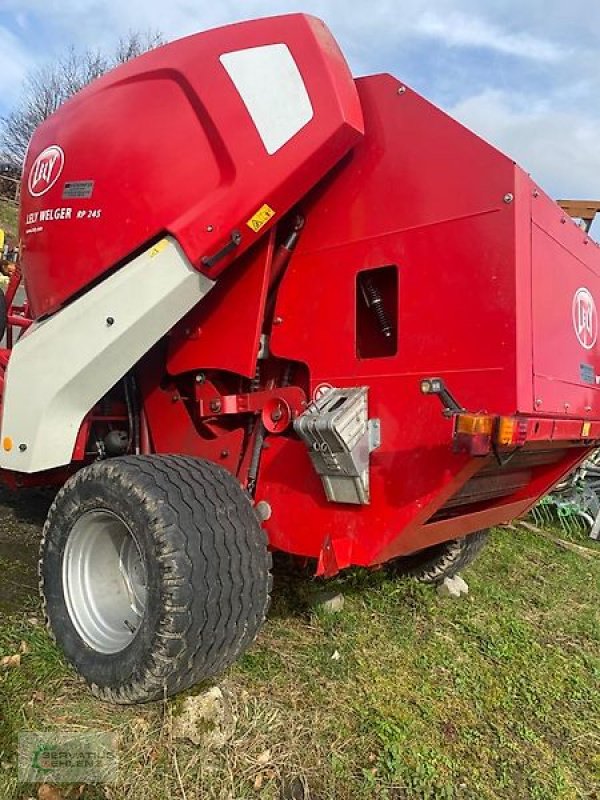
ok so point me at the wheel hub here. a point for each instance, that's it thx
(104, 581)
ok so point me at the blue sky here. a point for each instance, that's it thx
(525, 75)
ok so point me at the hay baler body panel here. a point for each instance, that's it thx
(180, 141)
(412, 251)
(487, 271)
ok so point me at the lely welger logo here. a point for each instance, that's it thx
(45, 170)
(585, 318)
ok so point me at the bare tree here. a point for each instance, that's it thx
(47, 87)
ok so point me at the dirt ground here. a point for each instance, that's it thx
(22, 516)
(405, 695)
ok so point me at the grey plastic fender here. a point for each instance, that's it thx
(62, 366)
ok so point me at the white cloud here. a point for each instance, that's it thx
(507, 61)
(364, 28)
(14, 64)
(21, 20)
(559, 148)
(465, 30)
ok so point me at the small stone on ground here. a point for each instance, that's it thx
(329, 602)
(205, 719)
(453, 587)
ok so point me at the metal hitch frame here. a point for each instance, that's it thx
(340, 437)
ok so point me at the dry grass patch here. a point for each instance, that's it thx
(402, 695)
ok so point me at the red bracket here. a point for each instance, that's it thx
(278, 407)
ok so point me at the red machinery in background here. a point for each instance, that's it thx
(267, 297)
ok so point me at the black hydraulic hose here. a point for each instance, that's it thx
(256, 454)
(133, 413)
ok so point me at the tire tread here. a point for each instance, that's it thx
(215, 568)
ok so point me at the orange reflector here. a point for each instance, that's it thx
(7, 443)
(473, 424)
(506, 430)
(585, 429)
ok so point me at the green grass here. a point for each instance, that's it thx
(493, 696)
(9, 218)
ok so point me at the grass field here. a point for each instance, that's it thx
(403, 695)
(9, 217)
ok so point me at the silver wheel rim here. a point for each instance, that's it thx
(104, 581)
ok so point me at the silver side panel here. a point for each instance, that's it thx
(60, 369)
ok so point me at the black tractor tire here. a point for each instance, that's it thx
(177, 539)
(435, 564)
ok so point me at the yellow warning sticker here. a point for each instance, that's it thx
(262, 216)
(585, 429)
(158, 248)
